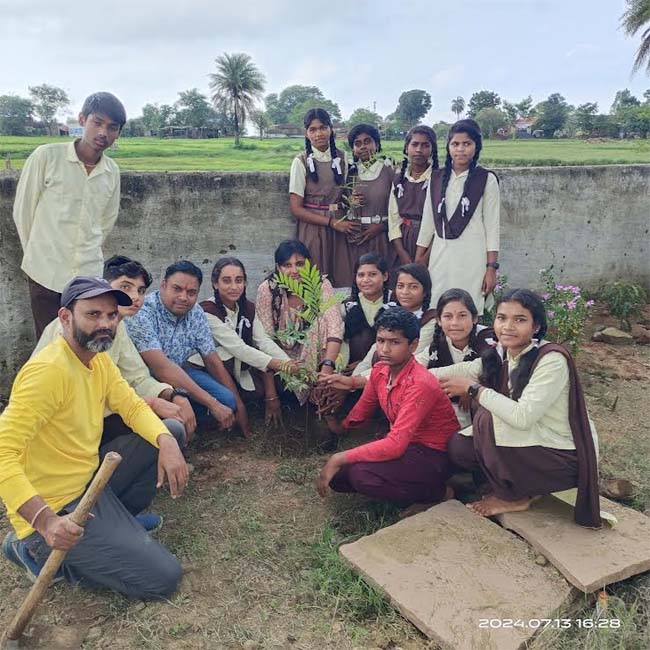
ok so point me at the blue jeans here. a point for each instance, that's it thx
(210, 385)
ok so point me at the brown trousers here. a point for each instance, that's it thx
(514, 472)
(45, 305)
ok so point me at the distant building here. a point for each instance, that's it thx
(75, 131)
(524, 128)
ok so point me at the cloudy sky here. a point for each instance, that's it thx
(360, 53)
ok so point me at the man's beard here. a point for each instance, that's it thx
(98, 341)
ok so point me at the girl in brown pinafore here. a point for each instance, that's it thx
(316, 187)
(410, 191)
(371, 177)
(531, 434)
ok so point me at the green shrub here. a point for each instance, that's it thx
(624, 300)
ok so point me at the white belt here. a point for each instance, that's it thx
(375, 219)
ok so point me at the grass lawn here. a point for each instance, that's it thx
(152, 154)
(259, 547)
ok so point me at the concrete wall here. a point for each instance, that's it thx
(592, 223)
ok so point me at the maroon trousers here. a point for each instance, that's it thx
(418, 476)
(515, 472)
(45, 305)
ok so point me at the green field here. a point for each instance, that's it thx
(152, 154)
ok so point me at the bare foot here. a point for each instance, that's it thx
(491, 505)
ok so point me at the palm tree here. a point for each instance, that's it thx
(636, 17)
(458, 106)
(236, 85)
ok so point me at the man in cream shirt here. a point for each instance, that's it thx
(67, 201)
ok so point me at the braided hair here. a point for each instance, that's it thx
(421, 274)
(453, 295)
(323, 116)
(492, 360)
(219, 266)
(470, 128)
(431, 136)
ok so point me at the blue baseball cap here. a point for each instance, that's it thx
(84, 286)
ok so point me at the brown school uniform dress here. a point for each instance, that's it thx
(376, 194)
(411, 206)
(324, 243)
(517, 472)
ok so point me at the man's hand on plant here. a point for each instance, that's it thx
(329, 471)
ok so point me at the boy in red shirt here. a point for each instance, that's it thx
(410, 464)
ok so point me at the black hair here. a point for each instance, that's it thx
(184, 266)
(453, 295)
(398, 319)
(323, 116)
(355, 319)
(219, 266)
(421, 274)
(492, 361)
(106, 104)
(473, 130)
(369, 129)
(120, 265)
(431, 135)
(376, 260)
(353, 134)
(290, 247)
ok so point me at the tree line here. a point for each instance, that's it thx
(237, 98)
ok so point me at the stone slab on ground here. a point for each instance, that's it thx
(588, 559)
(445, 569)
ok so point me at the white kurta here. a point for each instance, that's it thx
(460, 263)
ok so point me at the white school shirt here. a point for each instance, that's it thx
(229, 344)
(63, 214)
(540, 417)
(461, 262)
(298, 173)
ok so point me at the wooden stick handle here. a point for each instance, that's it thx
(79, 516)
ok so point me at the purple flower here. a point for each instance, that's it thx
(572, 303)
(546, 296)
(576, 290)
(559, 287)
(550, 313)
(590, 303)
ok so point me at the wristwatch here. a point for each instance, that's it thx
(328, 362)
(493, 265)
(179, 392)
(472, 391)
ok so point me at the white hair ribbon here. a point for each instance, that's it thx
(310, 163)
(440, 205)
(400, 191)
(244, 322)
(336, 164)
(464, 206)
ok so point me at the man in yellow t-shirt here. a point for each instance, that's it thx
(50, 436)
